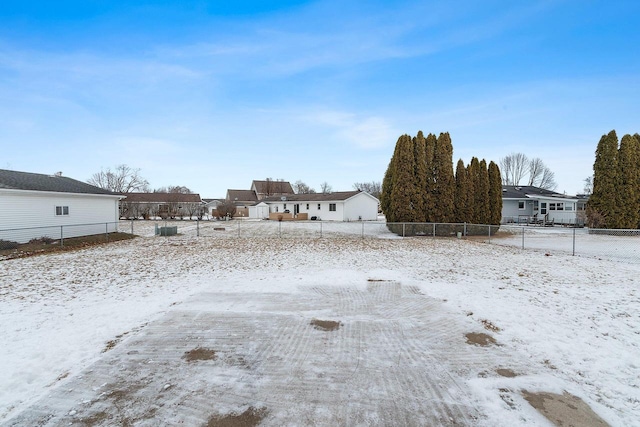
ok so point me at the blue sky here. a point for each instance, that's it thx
(212, 95)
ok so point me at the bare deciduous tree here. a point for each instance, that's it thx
(122, 179)
(516, 166)
(301, 188)
(374, 187)
(226, 208)
(588, 185)
(325, 188)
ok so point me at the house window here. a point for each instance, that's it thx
(307, 206)
(62, 210)
(521, 204)
(318, 206)
(285, 206)
(568, 207)
(276, 209)
(543, 208)
(552, 206)
(560, 206)
(332, 207)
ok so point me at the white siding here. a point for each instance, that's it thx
(37, 211)
(362, 206)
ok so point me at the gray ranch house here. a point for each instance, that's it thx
(532, 205)
(36, 205)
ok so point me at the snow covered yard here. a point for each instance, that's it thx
(314, 331)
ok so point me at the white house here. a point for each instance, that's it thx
(36, 205)
(336, 206)
(527, 204)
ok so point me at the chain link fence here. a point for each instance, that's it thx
(9, 238)
(621, 245)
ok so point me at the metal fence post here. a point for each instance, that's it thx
(403, 224)
(106, 231)
(238, 228)
(131, 227)
(464, 229)
(489, 227)
(363, 229)
(574, 242)
(197, 227)
(522, 237)
(280, 229)
(434, 229)
(61, 236)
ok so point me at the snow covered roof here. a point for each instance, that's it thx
(14, 180)
(528, 191)
(315, 197)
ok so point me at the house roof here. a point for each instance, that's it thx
(314, 197)
(162, 198)
(242, 195)
(14, 180)
(272, 187)
(527, 191)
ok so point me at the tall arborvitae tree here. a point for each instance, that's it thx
(444, 184)
(385, 195)
(463, 211)
(481, 202)
(495, 194)
(627, 194)
(403, 191)
(601, 206)
(637, 145)
(473, 176)
(420, 177)
(429, 200)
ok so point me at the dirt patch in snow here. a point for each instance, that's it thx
(480, 339)
(200, 353)
(325, 325)
(249, 418)
(504, 372)
(564, 410)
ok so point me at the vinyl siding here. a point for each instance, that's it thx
(37, 211)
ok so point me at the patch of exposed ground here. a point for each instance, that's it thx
(325, 325)
(565, 410)
(480, 339)
(249, 418)
(504, 372)
(200, 353)
(45, 245)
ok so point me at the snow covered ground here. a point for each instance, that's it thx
(101, 333)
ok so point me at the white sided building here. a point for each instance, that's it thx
(335, 206)
(36, 205)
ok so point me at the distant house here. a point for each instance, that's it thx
(527, 204)
(163, 205)
(270, 188)
(210, 206)
(49, 205)
(337, 206)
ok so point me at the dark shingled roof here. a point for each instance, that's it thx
(162, 198)
(241, 195)
(272, 187)
(13, 180)
(521, 191)
(314, 197)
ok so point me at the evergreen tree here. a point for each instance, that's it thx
(462, 205)
(429, 200)
(481, 201)
(420, 177)
(601, 205)
(385, 195)
(444, 184)
(627, 194)
(473, 177)
(402, 191)
(495, 194)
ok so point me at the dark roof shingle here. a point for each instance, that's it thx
(14, 180)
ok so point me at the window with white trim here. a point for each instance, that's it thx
(62, 210)
(521, 204)
(332, 207)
